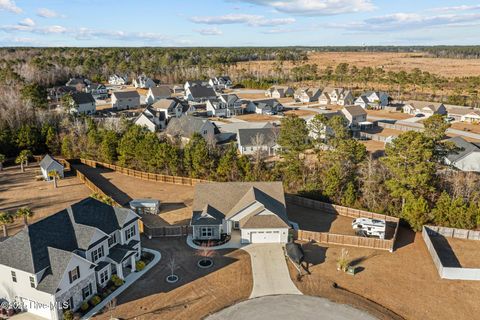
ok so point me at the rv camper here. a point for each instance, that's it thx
(367, 227)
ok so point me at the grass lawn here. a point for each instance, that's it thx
(389, 114)
(198, 293)
(464, 126)
(254, 117)
(19, 189)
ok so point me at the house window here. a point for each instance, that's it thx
(103, 276)
(32, 282)
(74, 274)
(129, 233)
(70, 305)
(14, 276)
(207, 232)
(87, 291)
(112, 240)
(97, 254)
(236, 224)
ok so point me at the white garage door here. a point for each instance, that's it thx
(265, 236)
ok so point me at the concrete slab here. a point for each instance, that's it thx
(290, 307)
(270, 271)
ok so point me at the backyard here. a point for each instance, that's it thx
(405, 281)
(198, 293)
(19, 189)
(457, 253)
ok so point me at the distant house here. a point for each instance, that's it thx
(336, 96)
(278, 92)
(185, 126)
(345, 98)
(78, 83)
(267, 106)
(156, 93)
(220, 83)
(355, 116)
(56, 93)
(151, 119)
(324, 99)
(256, 210)
(171, 107)
(122, 100)
(252, 140)
(373, 100)
(225, 105)
(192, 83)
(198, 93)
(466, 157)
(425, 107)
(98, 90)
(457, 113)
(50, 164)
(83, 103)
(143, 82)
(65, 259)
(321, 133)
(472, 117)
(306, 95)
(118, 80)
(178, 89)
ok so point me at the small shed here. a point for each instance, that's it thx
(48, 164)
(145, 206)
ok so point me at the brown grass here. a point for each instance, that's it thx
(300, 113)
(389, 114)
(373, 146)
(197, 294)
(22, 190)
(464, 126)
(251, 96)
(405, 281)
(254, 117)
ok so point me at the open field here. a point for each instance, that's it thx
(198, 293)
(300, 113)
(254, 117)
(470, 127)
(405, 281)
(175, 200)
(389, 61)
(19, 189)
(456, 252)
(389, 114)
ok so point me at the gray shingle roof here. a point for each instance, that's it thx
(248, 137)
(186, 126)
(47, 161)
(199, 92)
(126, 94)
(82, 98)
(355, 111)
(463, 148)
(161, 91)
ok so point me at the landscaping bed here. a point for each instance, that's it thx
(213, 243)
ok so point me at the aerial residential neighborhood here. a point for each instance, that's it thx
(239, 160)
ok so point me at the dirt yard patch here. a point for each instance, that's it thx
(300, 113)
(389, 114)
(469, 127)
(373, 146)
(251, 96)
(405, 281)
(457, 253)
(385, 132)
(19, 189)
(198, 293)
(255, 117)
(175, 200)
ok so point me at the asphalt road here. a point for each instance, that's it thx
(286, 307)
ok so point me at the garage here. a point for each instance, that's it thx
(265, 236)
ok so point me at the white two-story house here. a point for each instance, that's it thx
(61, 261)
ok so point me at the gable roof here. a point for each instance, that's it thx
(354, 111)
(82, 98)
(240, 195)
(198, 91)
(246, 136)
(126, 94)
(160, 91)
(164, 104)
(464, 148)
(186, 126)
(266, 103)
(47, 161)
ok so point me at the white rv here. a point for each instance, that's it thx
(367, 227)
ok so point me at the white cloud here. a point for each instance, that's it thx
(210, 32)
(9, 5)
(34, 29)
(316, 7)
(457, 8)
(248, 19)
(47, 13)
(407, 21)
(27, 22)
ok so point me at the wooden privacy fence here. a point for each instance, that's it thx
(144, 175)
(170, 231)
(340, 239)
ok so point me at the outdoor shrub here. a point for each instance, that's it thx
(140, 265)
(84, 307)
(342, 262)
(95, 300)
(68, 315)
(117, 281)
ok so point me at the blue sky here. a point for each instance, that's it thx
(238, 22)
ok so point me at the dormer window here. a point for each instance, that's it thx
(129, 233)
(74, 274)
(112, 240)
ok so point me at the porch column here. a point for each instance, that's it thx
(132, 259)
(119, 270)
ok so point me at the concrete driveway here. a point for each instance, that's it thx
(270, 271)
(290, 307)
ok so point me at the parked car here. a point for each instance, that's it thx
(449, 119)
(419, 115)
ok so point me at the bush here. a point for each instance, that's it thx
(68, 315)
(117, 281)
(84, 307)
(95, 300)
(140, 265)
